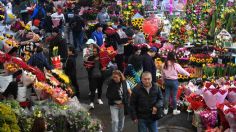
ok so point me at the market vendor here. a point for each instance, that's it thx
(39, 60)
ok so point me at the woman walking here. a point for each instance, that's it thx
(117, 94)
(170, 72)
(95, 77)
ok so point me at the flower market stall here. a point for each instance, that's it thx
(30, 95)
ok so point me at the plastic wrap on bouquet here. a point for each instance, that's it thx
(60, 96)
(231, 95)
(4, 82)
(56, 61)
(106, 55)
(196, 101)
(74, 103)
(221, 108)
(209, 118)
(21, 94)
(213, 97)
(230, 115)
(27, 78)
(10, 18)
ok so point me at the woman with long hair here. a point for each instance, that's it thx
(170, 72)
(117, 94)
(95, 77)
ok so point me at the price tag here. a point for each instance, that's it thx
(219, 61)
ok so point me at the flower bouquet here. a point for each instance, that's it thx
(196, 102)
(17, 25)
(214, 96)
(106, 55)
(27, 78)
(209, 118)
(11, 67)
(178, 33)
(56, 60)
(183, 54)
(221, 108)
(165, 50)
(60, 96)
(61, 76)
(230, 115)
(200, 59)
(224, 39)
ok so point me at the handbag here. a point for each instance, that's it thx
(159, 114)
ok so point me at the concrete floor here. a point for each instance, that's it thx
(169, 123)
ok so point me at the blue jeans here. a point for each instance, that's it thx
(78, 38)
(171, 85)
(118, 118)
(147, 126)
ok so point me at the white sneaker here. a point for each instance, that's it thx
(91, 105)
(100, 101)
(176, 112)
(165, 111)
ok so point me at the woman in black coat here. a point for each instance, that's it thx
(117, 94)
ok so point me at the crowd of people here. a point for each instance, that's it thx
(61, 25)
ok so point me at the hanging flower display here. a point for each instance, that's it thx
(178, 35)
(197, 14)
(130, 8)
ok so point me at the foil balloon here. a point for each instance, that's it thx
(151, 26)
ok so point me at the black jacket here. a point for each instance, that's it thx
(113, 94)
(70, 66)
(141, 102)
(149, 65)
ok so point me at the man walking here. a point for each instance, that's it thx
(146, 100)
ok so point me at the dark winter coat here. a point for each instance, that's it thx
(149, 65)
(141, 103)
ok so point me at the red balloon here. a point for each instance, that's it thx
(150, 25)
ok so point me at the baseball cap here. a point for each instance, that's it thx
(90, 41)
(153, 49)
